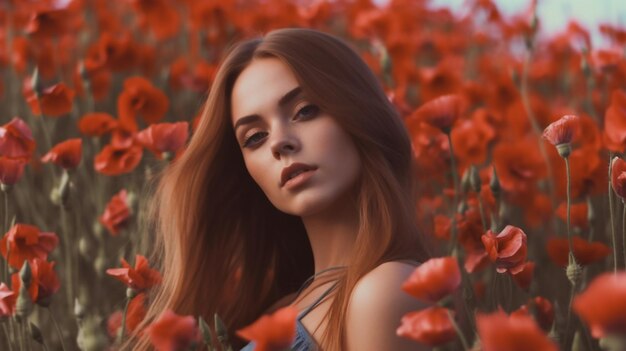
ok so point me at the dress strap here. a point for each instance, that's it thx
(317, 301)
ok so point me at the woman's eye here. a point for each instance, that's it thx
(308, 111)
(251, 138)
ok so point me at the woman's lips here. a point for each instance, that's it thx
(299, 179)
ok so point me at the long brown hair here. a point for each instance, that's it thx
(224, 248)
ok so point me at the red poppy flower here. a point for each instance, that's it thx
(173, 332)
(430, 326)
(117, 54)
(159, 16)
(99, 82)
(615, 122)
(471, 139)
(618, 177)
(135, 315)
(585, 252)
(7, 301)
(525, 276)
(25, 243)
(272, 332)
(117, 160)
(578, 214)
(544, 310)
(44, 281)
(434, 279)
(97, 124)
(518, 332)
(66, 154)
(603, 304)
(164, 137)
(519, 165)
(140, 278)
(117, 213)
(140, 98)
(48, 22)
(54, 101)
(16, 140)
(507, 249)
(11, 169)
(440, 112)
(562, 131)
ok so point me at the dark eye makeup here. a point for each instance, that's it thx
(308, 111)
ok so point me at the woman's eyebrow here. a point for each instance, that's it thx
(284, 100)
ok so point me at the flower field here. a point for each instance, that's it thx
(519, 141)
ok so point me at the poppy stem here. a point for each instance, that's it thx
(624, 231)
(569, 204)
(69, 284)
(483, 219)
(455, 182)
(6, 337)
(458, 331)
(56, 326)
(124, 319)
(611, 212)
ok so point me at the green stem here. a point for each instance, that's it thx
(483, 219)
(612, 214)
(5, 272)
(458, 331)
(535, 125)
(56, 326)
(569, 203)
(624, 230)
(69, 291)
(7, 338)
(455, 182)
(566, 340)
(124, 319)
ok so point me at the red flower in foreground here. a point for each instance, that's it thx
(544, 310)
(54, 101)
(525, 276)
(97, 124)
(7, 301)
(584, 251)
(66, 154)
(517, 332)
(26, 242)
(618, 176)
(11, 169)
(272, 332)
(171, 332)
(164, 137)
(140, 278)
(113, 160)
(16, 140)
(135, 314)
(44, 281)
(440, 112)
(507, 249)
(603, 305)
(434, 279)
(116, 213)
(430, 326)
(140, 98)
(562, 131)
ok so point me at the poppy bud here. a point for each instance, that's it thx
(35, 333)
(564, 150)
(494, 183)
(130, 293)
(465, 181)
(574, 271)
(24, 305)
(35, 83)
(591, 215)
(79, 310)
(206, 332)
(475, 180)
(222, 332)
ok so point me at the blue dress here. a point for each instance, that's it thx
(303, 341)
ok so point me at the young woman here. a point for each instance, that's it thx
(297, 188)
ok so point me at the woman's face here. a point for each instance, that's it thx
(286, 128)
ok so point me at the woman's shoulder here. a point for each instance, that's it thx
(378, 303)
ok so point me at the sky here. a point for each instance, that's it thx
(555, 14)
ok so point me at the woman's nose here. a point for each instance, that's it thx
(283, 142)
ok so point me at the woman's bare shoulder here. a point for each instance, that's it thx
(377, 304)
